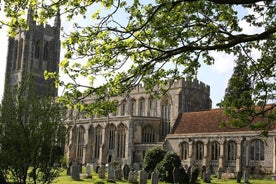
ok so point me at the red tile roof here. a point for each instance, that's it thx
(203, 122)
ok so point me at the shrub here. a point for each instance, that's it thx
(152, 158)
(165, 167)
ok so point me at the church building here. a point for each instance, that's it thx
(181, 121)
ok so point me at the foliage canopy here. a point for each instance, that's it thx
(129, 42)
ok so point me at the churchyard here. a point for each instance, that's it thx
(110, 174)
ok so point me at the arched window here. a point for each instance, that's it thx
(111, 135)
(215, 151)
(148, 134)
(184, 150)
(121, 137)
(37, 50)
(123, 108)
(80, 143)
(199, 150)
(74, 140)
(152, 106)
(231, 150)
(90, 142)
(20, 53)
(98, 141)
(257, 150)
(166, 116)
(133, 107)
(46, 51)
(141, 107)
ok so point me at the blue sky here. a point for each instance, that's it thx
(216, 75)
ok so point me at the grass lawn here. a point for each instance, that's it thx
(64, 179)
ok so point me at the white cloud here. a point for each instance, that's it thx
(224, 63)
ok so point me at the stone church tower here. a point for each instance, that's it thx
(32, 52)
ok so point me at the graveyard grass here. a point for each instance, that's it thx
(65, 179)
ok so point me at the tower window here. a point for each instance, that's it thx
(46, 51)
(37, 50)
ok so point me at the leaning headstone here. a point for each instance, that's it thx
(111, 171)
(88, 171)
(219, 173)
(176, 176)
(126, 170)
(154, 178)
(239, 176)
(143, 176)
(101, 172)
(75, 172)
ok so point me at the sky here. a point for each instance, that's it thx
(216, 75)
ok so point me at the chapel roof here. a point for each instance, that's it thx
(204, 122)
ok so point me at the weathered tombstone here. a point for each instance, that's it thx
(118, 173)
(239, 176)
(207, 176)
(126, 170)
(246, 175)
(203, 171)
(111, 171)
(132, 177)
(80, 167)
(88, 171)
(219, 173)
(154, 178)
(136, 166)
(195, 174)
(75, 172)
(101, 171)
(176, 176)
(143, 176)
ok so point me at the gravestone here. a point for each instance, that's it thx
(136, 166)
(154, 178)
(207, 176)
(88, 171)
(239, 176)
(203, 171)
(101, 171)
(132, 177)
(69, 168)
(176, 176)
(126, 170)
(118, 173)
(184, 177)
(219, 173)
(195, 174)
(75, 172)
(143, 176)
(111, 171)
(246, 176)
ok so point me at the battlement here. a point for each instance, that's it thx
(181, 83)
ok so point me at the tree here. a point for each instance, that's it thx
(31, 130)
(166, 166)
(155, 41)
(152, 158)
